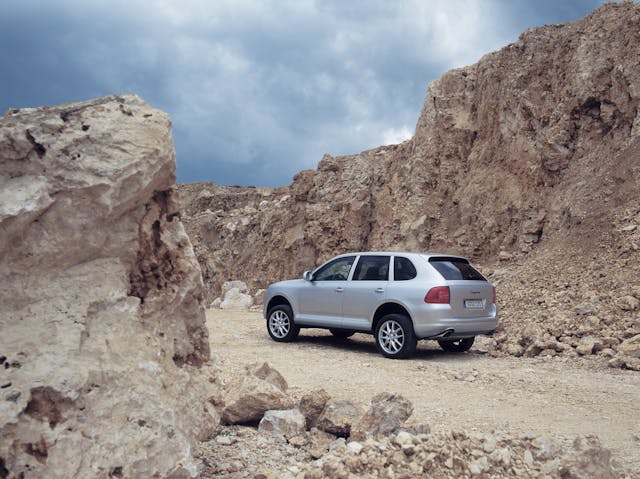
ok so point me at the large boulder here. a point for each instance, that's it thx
(260, 389)
(312, 404)
(288, 423)
(339, 417)
(103, 337)
(387, 414)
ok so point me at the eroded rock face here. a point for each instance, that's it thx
(103, 331)
(525, 161)
(507, 152)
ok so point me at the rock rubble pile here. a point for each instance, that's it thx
(318, 437)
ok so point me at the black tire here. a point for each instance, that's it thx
(280, 324)
(342, 333)
(395, 337)
(456, 345)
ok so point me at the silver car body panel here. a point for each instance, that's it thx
(352, 304)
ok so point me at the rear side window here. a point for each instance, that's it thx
(403, 269)
(372, 268)
(455, 268)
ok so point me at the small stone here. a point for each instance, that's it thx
(528, 457)
(226, 440)
(504, 256)
(630, 346)
(355, 447)
(489, 444)
(403, 438)
(298, 441)
(339, 443)
(628, 303)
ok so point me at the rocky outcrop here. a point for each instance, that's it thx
(103, 345)
(526, 144)
(526, 162)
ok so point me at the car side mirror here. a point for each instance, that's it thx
(307, 276)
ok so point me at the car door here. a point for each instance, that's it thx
(365, 291)
(320, 300)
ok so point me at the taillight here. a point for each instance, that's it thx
(494, 295)
(438, 295)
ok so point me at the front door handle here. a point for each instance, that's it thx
(379, 290)
(339, 289)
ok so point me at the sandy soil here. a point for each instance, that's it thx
(557, 397)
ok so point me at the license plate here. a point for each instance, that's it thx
(474, 303)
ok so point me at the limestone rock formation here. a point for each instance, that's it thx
(528, 157)
(103, 344)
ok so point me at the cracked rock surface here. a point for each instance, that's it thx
(103, 350)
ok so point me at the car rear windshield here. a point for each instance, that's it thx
(455, 268)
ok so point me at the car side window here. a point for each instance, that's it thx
(372, 268)
(403, 269)
(336, 270)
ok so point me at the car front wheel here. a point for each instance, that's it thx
(456, 345)
(280, 324)
(395, 337)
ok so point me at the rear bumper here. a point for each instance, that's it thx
(439, 326)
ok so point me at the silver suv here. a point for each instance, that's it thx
(399, 297)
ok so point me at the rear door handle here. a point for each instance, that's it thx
(339, 289)
(379, 290)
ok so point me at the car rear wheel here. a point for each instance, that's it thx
(456, 345)
(395, 337)
(280, 324)
(342, 333)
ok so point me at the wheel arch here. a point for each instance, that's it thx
(277, 300)
(389, 307)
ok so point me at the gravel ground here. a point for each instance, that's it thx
(558, 397)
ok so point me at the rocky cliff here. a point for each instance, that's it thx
(103, 345)
(531, 151)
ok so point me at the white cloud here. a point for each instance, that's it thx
(272, 84)
(394, 136)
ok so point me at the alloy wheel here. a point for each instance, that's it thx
(391, 337)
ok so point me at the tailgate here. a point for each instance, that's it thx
(470, 299)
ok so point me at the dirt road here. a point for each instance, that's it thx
(559, 398)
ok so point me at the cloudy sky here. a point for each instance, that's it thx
(258, 90)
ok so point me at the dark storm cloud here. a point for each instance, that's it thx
(257, 90)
